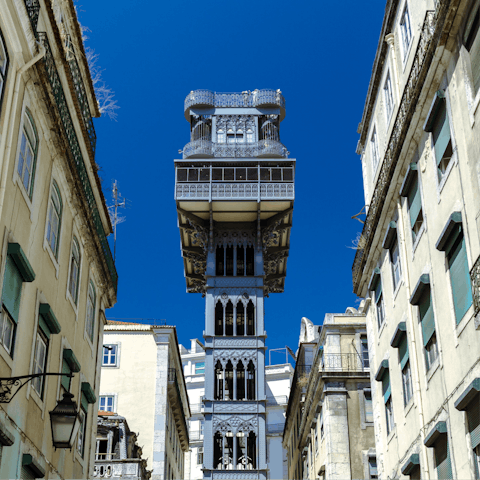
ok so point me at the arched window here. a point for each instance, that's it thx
(229, 381)
(220, 136)
(251, 381)
(250, 261)
(240, 260)
(229, 261)
(250, 318)
(246, 451)
(251, 451)
(220, 261)
(240, 319)
(219, 318)
(250, 136)
(218, 387)
(90, 320)
(54, 219)
(229, 319)
(241, 379)
(74, 270)
(27, 156)
(3, 66)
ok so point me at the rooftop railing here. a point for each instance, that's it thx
(262, 148)
(430, 33)
(74, 145)
(256, 98)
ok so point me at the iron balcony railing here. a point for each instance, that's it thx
(172, 380)
(475, 279)
(129, 468)
(81, 93)
(257, 98)
(280, 400)
(275, 428)
(262, 148)
(33, 9)
(342, 362)
(430, 33)
(69, 130)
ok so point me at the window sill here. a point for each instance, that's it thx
(397, 289)
(443, 181)
(392, 434)
(72, 303)
(36, 398)
(419, 236)
(408, 408)
(431, 371)
(465, 321)
(406, 54)
(380, 331)
(47, 248)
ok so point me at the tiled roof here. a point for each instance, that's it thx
(102, 413)
(117, 322)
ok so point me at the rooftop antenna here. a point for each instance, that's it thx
(118, 201)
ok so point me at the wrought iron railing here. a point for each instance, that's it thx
(430, 33)
(69, 130)
(341, 362)
(266, 191)
(275, 428)
(246, 99)
(262, 148)
(475, 279)
(33, 9)
(280, 400)
(129, 468)
(81, 93)
(172, 380)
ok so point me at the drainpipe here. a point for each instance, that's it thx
(5, 148)
(411, 329)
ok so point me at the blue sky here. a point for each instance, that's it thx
(320, 54)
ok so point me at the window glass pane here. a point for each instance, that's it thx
(265, 174)
(287, 174)
(192, 175)
(277, 174)
(204, 174)
(240, 174)
(228, 174)
(181, 174)
(217, 174)
(252, 173)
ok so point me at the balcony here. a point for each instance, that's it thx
(257, 98)
(262, 148)
(342, 363)
(176, 403)
(130, 467)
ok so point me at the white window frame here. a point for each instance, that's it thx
(200, 456)
(90, 313)
(396, 265)
(54, 219)
(389, 417)
(109, 354)
(374, 150)
(388, 96)
(380, 309)
(407, 383)
(7, 325)
(431, 352)
(4, 67)
(39, 367)
(368, 392)
(405, 26)
(81, 436)
(107, 397)
(74, 278)
(24, 142)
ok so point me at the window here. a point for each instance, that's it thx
(406, 31)
(443, 463)
(372, 468)
(82, 432)
(459, 273)
(200, 456)
(395, 262)
(3, 66)
(388, 96)
(414, 201)
(387, 398)
(315, 435)
(110, 355)
(11, 296)
(28, 153)
(473, 421)
(90, 320)
(202, 426)
(106, 403)
(54, 219)
(471, 41)
(379, 302)
(40, 361)
(321, 424)
(389, 415)
(367, 395)
(364, 350)
(374, 150)
(74, 270)
(427, 321)
(442, 140)
(407, 383)
(200, 368)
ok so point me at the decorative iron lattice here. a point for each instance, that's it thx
(81, 93)
(430, 34)
(341, 362)
(475, 279)
(263, 148)
(246, 99)
(268, 191)
(69, 130)
(33, 9)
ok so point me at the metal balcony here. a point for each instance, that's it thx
(257, 98)
(344, 363)
(208, 149)
(128, 468)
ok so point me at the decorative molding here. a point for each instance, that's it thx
(243, 295)
(238, 407)
(235, 282)
(235, 342)
(235, 356)
(234, 423)
(234, 237)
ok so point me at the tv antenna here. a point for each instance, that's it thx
(115, 218)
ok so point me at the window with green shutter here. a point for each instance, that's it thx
(427, 321)
(443, 463)
(471, 41)
(442, 140)
(66, 380)
(414, 200)
(459, 276)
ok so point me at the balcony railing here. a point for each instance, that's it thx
(69, 130)
(232, 191)
(342, 362)
(475, 279)
(129, 468)
(275, 428)
(280, 400)
(33, 9)
(262, 148)
(172, 380)
(430, 33)
(207, 98)
(81, 94)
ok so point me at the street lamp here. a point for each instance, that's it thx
(65, 421)
(64, 418)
